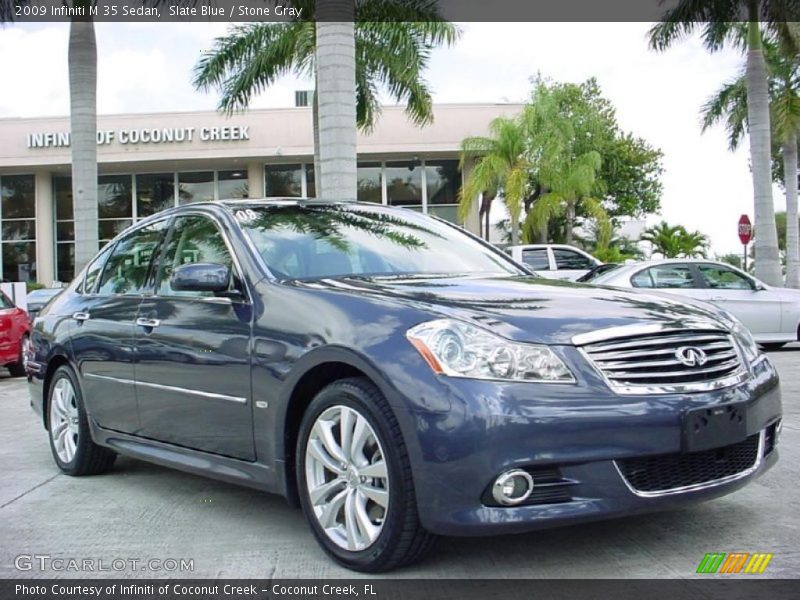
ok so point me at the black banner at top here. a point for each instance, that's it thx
(387, 10)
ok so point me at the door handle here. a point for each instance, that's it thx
(148, 323)
(80, 316)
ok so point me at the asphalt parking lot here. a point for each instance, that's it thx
(143, 512)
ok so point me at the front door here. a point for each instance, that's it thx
(758, 309)
(193, 351)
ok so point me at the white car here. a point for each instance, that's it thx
(554, 261)
(771, 313)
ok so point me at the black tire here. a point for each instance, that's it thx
(402, 540)
(773, 346)
(89, 458)
(17, 369)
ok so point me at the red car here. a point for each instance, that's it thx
(14, 335)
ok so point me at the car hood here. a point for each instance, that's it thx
(529, 309)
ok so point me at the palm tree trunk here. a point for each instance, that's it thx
(315, 125)
(767, 260)
(83, 127)
(336, 68)
(570, 223)
(514, 228)
(792, 227)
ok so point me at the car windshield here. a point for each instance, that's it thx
(317, 241)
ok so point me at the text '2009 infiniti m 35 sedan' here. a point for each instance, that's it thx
(395, 376)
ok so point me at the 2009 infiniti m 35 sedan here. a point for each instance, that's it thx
(394, 375)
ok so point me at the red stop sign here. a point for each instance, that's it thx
(745, 230)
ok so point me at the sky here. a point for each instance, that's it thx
(147, 67)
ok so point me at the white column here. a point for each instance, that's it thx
(45, 228)
(255, 180)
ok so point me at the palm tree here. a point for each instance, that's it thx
(729, 104)
(718, 22)
(83, 137)
(393, 42)
(673, 241)
(500, 166)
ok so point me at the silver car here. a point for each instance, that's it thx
(771, 313)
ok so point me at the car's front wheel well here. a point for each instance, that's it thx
(309, 385)
(52, 366)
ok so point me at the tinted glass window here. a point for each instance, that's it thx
(284, 181)
(194, 239)
(195, 187)
(536, 259)
(5, 302)
(127, 268)
(664, 277)
(722, 278)
(570, 260)
(154, 192)
(93, 271)
(310, 242)
(232, 184)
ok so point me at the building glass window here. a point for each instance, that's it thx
(195, 187)
(18, 232)
(232, 184)
(311, 186)
(404, 184)
(114, 205)
(443, 182)
(154, 192)
(65, 229)
(370, 183)
(284, 181)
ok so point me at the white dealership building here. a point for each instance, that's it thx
(149, 162)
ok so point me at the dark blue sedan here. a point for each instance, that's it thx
(395, 376)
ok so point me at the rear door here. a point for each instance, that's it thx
(675, 278)
(758, 309)
(193, 351)
(102, 332)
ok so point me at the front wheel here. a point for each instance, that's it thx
(70, 440)
(355, 481)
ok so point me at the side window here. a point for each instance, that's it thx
(536, 259)
(721, 278)
(567, 260)
(5, 302)
(194, 239)
(126, 269)
(93, 271)
(664, 277)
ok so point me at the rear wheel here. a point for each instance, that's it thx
(17, 369)
(355, 480)
(70, 440)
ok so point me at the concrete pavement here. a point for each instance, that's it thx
(144, 512)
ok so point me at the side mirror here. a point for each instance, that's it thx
(201, 277)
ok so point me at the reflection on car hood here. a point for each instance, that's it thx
(529, 308)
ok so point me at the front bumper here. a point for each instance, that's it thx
(581, 432)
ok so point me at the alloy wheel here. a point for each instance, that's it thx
(64, 420)
(347, 478)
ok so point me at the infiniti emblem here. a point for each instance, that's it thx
(691, 356)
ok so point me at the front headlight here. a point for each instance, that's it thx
(746, 341)
(459, 349)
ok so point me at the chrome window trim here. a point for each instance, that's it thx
(168, 388)
(696, 487)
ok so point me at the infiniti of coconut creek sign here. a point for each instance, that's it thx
(161, 135)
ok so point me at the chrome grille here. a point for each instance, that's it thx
(651, 362)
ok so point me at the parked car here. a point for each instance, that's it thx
(772, 314)
(554, 261)
(38, 298)
(396, 377)
(14, 336)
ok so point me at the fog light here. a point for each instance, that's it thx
(512, 487)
